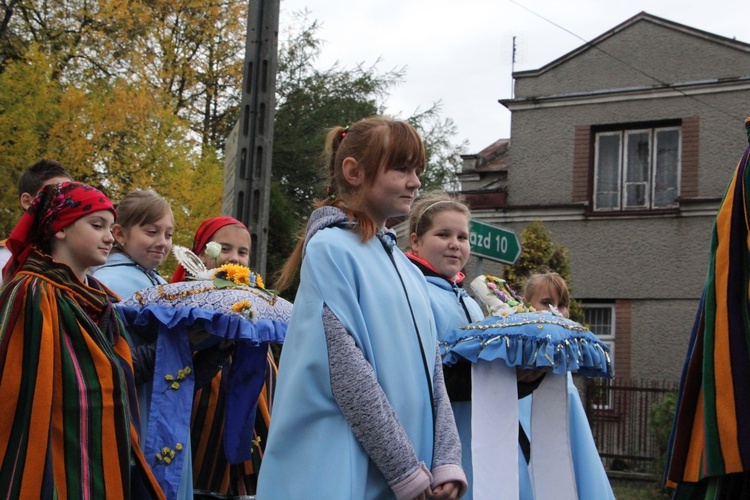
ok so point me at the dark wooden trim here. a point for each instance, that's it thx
(690, 157)
(583, 158)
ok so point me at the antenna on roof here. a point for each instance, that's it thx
(512, 69)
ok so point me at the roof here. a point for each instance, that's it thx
(642, 16)
(493, 158)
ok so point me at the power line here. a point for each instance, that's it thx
(587, 43)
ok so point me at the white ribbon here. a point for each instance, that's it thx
(494, 429)
(551, 465)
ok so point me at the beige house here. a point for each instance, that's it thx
(623, 148)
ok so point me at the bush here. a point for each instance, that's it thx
(662, 416)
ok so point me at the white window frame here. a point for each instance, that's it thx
(624, 163)
(608, 340)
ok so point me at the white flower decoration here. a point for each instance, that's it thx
(213, 250)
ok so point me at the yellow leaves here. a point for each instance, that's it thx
(128, 99)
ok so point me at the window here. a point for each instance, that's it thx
(600, 318)
(637, 169)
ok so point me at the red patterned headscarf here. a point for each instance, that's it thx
(55, 207)
(203, 236)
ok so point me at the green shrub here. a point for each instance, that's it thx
(662, 416)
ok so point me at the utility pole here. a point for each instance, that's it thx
(255, 139)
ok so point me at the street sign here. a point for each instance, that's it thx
(493, 242)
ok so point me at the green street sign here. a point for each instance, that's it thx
(493, 242)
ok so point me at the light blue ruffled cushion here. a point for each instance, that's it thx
(530, 340)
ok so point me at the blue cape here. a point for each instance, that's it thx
(311, 450)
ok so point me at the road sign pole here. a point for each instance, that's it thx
(479, 266)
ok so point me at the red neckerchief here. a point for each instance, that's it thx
(458, 278)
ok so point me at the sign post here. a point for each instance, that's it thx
(493, 242)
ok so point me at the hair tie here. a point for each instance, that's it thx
(345, 131)
(331, 194)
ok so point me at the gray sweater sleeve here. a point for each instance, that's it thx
(447, 444)
(365, 405)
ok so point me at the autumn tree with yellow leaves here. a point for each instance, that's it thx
(126, 95)
(136, 95)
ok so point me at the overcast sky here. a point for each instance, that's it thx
(460, 53)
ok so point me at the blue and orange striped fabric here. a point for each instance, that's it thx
(212, 473)
(709, 451)
(69, 427)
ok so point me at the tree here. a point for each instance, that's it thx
(134, 95)
(443, 155)
(126, 95)
(540, 251)
(310, 99)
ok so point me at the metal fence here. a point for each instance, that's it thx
(628, 435)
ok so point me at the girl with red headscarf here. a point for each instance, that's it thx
(228, 232)
(66, 372)
(212, 474)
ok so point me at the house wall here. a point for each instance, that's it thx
(656, 267)
(651, 265)
(660, 332)
(661, 54)
(544, 138)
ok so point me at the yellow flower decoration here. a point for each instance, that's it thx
(174, 382)
(167, 454)
(240, 275)
(234, 274)
(243, 307)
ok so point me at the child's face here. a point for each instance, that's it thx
(86, 242)
(391, 194)
(235, 247)
(546, 297)
(446, 244)
(148, 245)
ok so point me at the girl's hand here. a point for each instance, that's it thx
(446, 491)
(424, 495)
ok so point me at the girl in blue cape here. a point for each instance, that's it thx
(547, 291)
(143, 240)
(360, 409)
(439, 240)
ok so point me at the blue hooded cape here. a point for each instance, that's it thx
(311, 450)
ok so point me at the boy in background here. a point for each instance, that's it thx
(31, 181)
